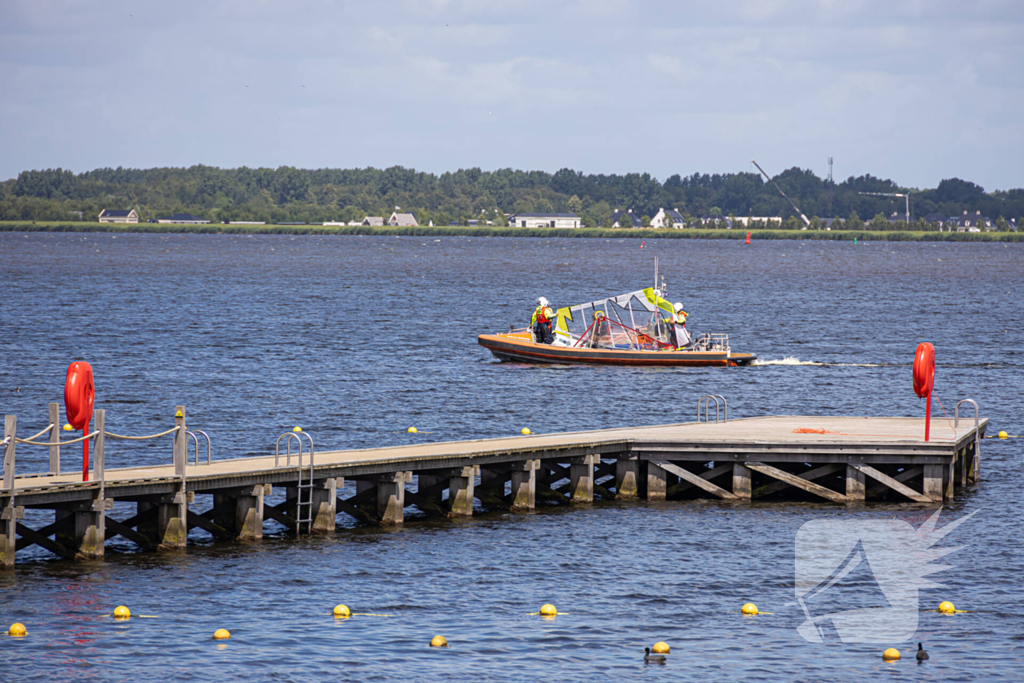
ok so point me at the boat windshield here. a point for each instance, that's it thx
(635, 320)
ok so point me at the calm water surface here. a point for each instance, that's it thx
(357, 338)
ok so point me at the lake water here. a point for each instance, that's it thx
(358, 338)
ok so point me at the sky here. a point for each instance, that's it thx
(911, 90)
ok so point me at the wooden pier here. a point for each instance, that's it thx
(844, 460)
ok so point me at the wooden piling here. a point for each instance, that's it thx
(741, 481)
(856, 490)
(9, 512)
(172, 511)
(627, 478)
(391, 498)
(581, 478)
(8, 535)
(524, 485)
(90, 529)
(325, 505)
(932, 486)
(248, 525)
(460, 492)
(657, 482)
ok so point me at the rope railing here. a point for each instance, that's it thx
(142, 438)
(37, 435)
(56, 443)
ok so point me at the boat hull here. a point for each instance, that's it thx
(516, 349)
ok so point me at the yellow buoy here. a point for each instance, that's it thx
(525, 430)
(548, 611)
(891, 654)
(342, 612)
(296, 429)
(68, 428)
(438, 641)
(17, 630)
(749, 608)
(412, 430)
(661, 648)
(122, 612)
(1003, 435)
(221, 634)
(946, 607)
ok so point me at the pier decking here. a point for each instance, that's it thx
(835, 459)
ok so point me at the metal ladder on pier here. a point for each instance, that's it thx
(705, 402)
(304, 485)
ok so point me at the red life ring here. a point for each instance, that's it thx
(79, 394)
(924, 369)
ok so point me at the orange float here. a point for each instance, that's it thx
(79, 397)
(924, 379)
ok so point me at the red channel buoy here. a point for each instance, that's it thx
(748, 237)
(924, 379)
(79, 397)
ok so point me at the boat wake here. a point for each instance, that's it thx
(788, 360)
(793, 360)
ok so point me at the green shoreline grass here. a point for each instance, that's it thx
(422, 231)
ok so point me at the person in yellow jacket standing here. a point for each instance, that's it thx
(541, 322)
(679, 331)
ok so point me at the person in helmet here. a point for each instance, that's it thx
(679, 331)
(541, 322)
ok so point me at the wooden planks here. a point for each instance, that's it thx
(810, 475)
(696, 480)
(798, 482)
(892, 483)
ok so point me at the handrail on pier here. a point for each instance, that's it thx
(977, 435)
(209, 446)
(705, 400)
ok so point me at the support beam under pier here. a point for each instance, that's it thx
(581, 478)
(524, 485)
(627, 478)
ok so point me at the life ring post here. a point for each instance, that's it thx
(79, 399)
(924, 380)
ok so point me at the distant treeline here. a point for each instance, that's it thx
(488, 231)
(289, 194)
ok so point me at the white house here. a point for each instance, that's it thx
(544, 220)
(373, 221)
(667, 219)
(402, 219)
(118, 216)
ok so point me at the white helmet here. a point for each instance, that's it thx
(541, 301)
(678, 307)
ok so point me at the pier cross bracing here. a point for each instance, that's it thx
(830, 459)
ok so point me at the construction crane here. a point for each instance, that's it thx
(807, 223)
(892, 194)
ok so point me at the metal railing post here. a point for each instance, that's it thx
(54, 438)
